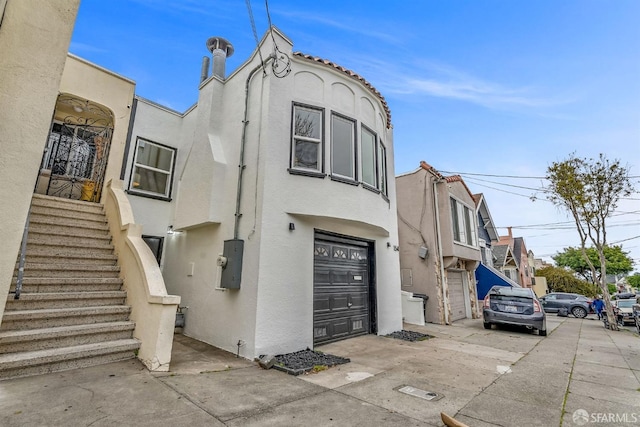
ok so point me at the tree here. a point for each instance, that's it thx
(562, 280)
(634, 280)
(589, 190)
(617, 261)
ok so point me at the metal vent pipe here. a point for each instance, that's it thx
(221, 49)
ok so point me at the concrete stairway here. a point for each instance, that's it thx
(71, 311)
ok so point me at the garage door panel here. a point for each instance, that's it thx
(456, 295)
(341, 291)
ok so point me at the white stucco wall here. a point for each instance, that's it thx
(34, 38)
(272, 312)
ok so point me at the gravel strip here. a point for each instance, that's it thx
(409, 336)
(306, 360)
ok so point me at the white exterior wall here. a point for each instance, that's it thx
(156, 124)
(34, 39)
(273, 310)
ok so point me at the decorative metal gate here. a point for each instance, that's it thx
(77, 150)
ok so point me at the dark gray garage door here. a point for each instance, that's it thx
(456, 295)
(341, 288)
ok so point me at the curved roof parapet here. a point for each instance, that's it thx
(353, 75)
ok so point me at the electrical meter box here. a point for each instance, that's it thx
(231, 263)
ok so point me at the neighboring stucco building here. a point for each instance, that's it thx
(438, 243)
(275, 189)
(31, 64)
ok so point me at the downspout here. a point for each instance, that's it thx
(241, 165)
(445, 286)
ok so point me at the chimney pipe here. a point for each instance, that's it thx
(221, 49)
(204, 72)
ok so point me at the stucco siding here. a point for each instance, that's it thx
(34, 39)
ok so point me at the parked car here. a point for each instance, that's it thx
(623, 295)
(576, 304)
(636, 314)
(514, 306)
(625, 309)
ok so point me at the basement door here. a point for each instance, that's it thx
(456, 295)
(341, 288)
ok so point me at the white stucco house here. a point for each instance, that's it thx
(271, 202)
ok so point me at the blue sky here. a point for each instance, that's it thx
(487, 87)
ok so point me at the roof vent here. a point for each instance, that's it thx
(221, 49)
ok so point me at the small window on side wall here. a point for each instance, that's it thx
(383, 168)
(152, 172)
(307, 139)
(155, 244)
(368, 143)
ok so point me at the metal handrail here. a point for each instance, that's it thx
(23, 256)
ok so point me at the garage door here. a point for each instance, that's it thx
(456, 295)
(340, 289)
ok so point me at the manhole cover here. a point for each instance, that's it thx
(422, 394)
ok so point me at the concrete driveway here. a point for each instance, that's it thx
(498, 377)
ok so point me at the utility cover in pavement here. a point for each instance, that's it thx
(416, 392)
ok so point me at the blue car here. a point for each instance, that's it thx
(505, 305)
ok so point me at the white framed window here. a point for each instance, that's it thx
(369, 161)
(383, 168)
(463, 222)
(343, 147)
(152, 172)
(307, 139)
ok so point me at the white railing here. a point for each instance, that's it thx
(152, 309)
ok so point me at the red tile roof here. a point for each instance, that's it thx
(354, 76)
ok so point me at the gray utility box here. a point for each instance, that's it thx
(232, 268)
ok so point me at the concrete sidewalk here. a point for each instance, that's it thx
(496, 377)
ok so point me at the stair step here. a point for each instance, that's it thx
(59, 270)
(69, 284)
(63, 336)
(47, 238)
(75, 259)
(41, 200)
(68, 222)
(50, 227)
(60, 359)
(66, 212)
(49, 300)
(49, 318)
(39, 245)
(71, 251)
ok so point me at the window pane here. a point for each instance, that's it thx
(383, 169)
(454, 220)
(148, 180)
(307, 122)
(154, 156)
(306, 155)
(342, 154)
(369, 158)
(468, 225)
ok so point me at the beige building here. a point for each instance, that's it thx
(31, 64)
(439, 249)
(86, 288)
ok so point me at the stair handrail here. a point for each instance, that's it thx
(152, 309)
(23, 257)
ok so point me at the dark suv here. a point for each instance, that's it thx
(576, 304)
(514, 306)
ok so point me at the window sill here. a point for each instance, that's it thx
(370, 188)
(303, 172)
(344, 180)
(149, 196)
